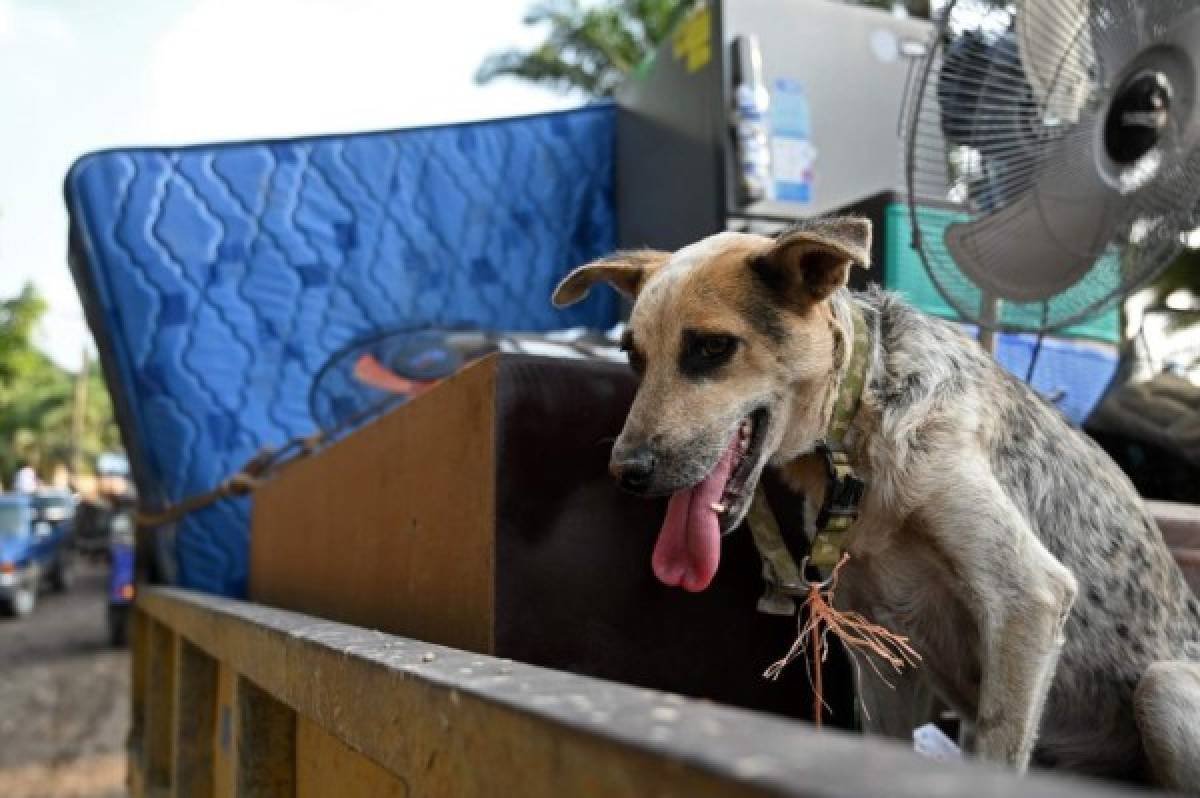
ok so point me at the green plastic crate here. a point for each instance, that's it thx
(904, 273)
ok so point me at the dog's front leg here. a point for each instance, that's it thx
(1018, 594)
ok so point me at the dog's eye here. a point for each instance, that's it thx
(716, 345)
(703, 353)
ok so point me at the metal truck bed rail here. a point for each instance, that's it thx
(233, 698)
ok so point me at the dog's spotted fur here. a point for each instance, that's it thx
(1133, 607)
(1007, 545)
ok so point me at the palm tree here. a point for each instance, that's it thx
(592, 47)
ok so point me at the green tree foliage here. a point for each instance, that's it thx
(592, 47)
(37, 398)
(18, 318)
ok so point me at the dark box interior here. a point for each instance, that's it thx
(571, 585)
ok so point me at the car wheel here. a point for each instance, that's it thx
(21, 603)
(61, 576)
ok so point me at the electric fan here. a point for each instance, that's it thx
(374, 373)
(1053, 154)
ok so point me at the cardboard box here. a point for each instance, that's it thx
(481, 516)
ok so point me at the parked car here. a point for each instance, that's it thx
(56, 507)
(35, 548)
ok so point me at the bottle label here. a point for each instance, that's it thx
(793, 155)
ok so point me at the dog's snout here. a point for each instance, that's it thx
(633, 469)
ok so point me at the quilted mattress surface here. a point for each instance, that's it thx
(219, 279)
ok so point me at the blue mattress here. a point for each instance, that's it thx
(218, 279)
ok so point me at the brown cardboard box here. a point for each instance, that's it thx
(481, 516)
(391, 528)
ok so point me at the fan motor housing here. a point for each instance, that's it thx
(1137, 117)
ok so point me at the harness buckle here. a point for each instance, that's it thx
(844, 490)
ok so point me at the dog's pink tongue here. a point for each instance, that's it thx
(689, 544)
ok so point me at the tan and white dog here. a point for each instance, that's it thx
(1006, 545)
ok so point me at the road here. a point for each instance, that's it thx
(64, 706)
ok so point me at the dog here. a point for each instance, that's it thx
(1011, 551)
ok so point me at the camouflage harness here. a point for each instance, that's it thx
(844, 489)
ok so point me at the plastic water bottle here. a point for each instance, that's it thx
(751, 103)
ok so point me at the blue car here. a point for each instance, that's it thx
(35, 548)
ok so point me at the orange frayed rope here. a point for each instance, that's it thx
(858, 635)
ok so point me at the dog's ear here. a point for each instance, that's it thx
(811, 262)
(625, 271)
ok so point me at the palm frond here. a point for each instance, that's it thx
(592, 47)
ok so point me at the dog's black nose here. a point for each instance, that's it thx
(635, 470)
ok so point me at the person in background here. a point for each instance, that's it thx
(25, 480)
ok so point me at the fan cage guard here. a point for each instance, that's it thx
(1000, 153)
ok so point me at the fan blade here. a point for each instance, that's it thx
(1046, 240)
(1036, 264)
(1055, 48)
(369, 371)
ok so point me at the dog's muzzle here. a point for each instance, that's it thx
(633, 469)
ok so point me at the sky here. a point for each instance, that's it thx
(82, 75)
